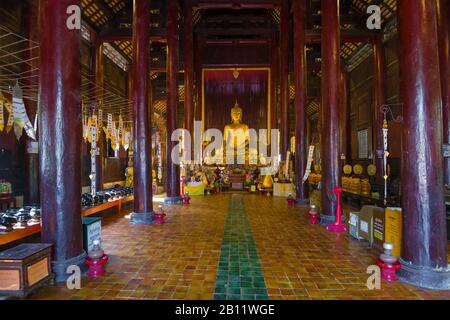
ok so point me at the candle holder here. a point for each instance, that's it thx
(313, 215)
(96, 261)
(388, 263)
(290, 200)
(338, 226)
(159, 215)
(186, 198)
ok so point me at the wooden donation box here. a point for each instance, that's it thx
(393, 233)
(92, 230)
(365, 229)
(372, 225)
(379, 228)
(24, 268)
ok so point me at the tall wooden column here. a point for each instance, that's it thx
(300, 72)
(97, 71)
(344, 121)
(60, 135)
(188, 68)
(331, 173)
(273, 84)
(31, 79)
(172, 170)
(379, 99)
(142, 157)
(284, 78)
(424, 256)
(444, 57)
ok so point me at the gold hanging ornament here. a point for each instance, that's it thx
(10, 123)
(108, 130)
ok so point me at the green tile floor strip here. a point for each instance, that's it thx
(239, 275)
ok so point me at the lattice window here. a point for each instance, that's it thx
(116, 5)
(115, 56)
(92, 11)
(126, 47)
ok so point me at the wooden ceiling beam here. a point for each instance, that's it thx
(126, 35)
(346, 36)
(233, 31)
(236, 4)
(105, 8)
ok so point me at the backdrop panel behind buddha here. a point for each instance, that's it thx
(222, 89)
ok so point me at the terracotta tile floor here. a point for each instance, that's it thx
(182, 259)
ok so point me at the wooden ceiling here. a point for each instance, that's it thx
(109, 17)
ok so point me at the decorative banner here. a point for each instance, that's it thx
(93, 175)
(95, 124)
(100, 119)
(21, 119)
(89, 129)
(85, 129)
(309, 163)
(108, 131)
(126, 143)
(10, 122)
(2, 120)
(286, 165)
(120, 127)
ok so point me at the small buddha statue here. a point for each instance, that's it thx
(237, 136)
(129, 176)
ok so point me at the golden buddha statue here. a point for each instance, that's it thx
(237, 138)
(129, 181)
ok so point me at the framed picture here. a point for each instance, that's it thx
(363, 144)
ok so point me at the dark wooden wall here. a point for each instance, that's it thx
(11, 150)
(361, 99)
(116, 81)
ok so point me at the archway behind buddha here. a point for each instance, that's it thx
(223, 86)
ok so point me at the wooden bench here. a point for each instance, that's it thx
(32, 230)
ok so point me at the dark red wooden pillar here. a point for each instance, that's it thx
(142, 157)
(300, 72)
(344, 122)
(198, 78)
(31, 79)
(379, 99)
(331, 173)
(284, 78)
(273, 85)
(172, 170)
(444, 57)
(188, 68)
(424, 256)
(347, 115)
(60, 135)
(98, 73)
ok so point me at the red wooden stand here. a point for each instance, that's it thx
(388, 271)
(159, 218)
(97, 267)
(338, 226)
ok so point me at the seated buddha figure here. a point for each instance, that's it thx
(236, 139)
